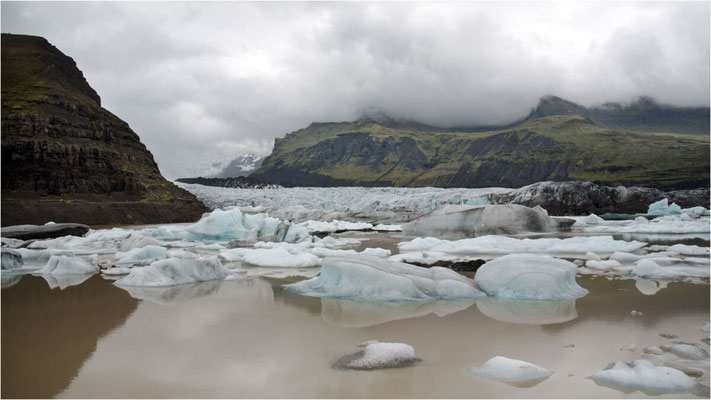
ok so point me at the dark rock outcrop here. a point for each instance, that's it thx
(26, 232)
(64, 156)
(580, 198)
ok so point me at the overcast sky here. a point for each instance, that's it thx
(205, 81)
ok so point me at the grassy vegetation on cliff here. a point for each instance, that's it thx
(559, 147)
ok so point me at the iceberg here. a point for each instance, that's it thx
(279, 257)
(375, 279)
(529, 277)
(455, 221)
(508, 370)
(175, 271)
(662, 207)
(530, 312)
(377, 355)
(140, 255)
(226, 225)
(645, 376)
(11, 259)
(63, 265)
(667, 224)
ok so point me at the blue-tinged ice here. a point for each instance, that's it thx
(62, 265)
(371, 278)
(141, 255)
(662, 207)
(686, 351)
(645, 376)
(175, 271)
(226, 225)
(529, 277)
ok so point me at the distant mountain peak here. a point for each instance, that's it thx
(242, 165)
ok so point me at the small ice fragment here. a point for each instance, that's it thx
(629, 347)
(384, 355)
(635, 313)
(280, 257)
(653, 350)
(602, 265)
(645, 376)
(646, 267)
(592, 256)
(662, 207)
(508, 370)
(686, 351)
(593, 219)
(668, 335)
(624, 257)
(376, 252)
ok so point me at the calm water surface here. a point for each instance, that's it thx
(252, 339)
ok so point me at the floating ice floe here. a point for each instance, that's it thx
(689, 250)
(335, 226)
(140, 255)
(508, 370)
(377, 355)
(527, 311)
(359, 314)
(175, 271)
(280, 257)
(11, 259)
(496, 245)
(370, 278)
(645, 376)
(668, 224)
(529, 277)
(63, 265)
(686, 351)
(387, 228)
(97, 242)
(593, 219)
(221, 225)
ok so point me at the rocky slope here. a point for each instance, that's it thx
(67, 159)
(554, 147)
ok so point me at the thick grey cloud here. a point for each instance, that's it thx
(204, 81)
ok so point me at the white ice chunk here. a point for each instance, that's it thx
(383, 355)
(529, 277)
(508, 245)
(376, 252)
(508, 370)
(116, 271)
(689, 250)
(629, 347)
(371, 278)
(335, 226)
(387, 228)
(653, 350)
(602, 265)
(624, 257)
(662, 207)
(686, 351)
(62, 265)
(280, 257)
(645, 376)
(592, 256)
(593, 219)
(139, 255)
(175, 271)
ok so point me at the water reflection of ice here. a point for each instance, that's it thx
(254, 289)
(359, 314)
(64, 281)
(649, 287)
(528, 311)
(7, 281)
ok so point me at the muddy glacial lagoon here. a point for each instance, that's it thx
(279, 299)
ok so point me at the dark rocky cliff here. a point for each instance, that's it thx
(67, 159)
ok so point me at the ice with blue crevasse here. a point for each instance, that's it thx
(175, 271)
(529, 277)
(63, 265)
(375, 279)
(377, 355)
(509, 370)
(225, 225)
(645, 376)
